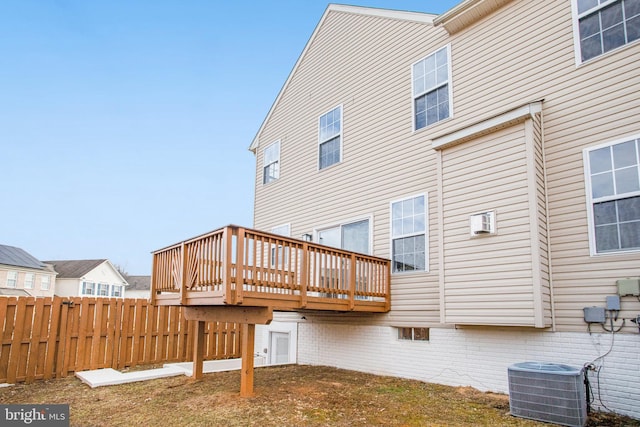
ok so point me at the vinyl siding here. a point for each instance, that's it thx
(498, 65)
(382, 160)
(521, 53)
(495, 279)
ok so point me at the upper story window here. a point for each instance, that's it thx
(613, 194)
(409, 234)
(603, 25)
(45, 282)
(330, 137)
(431, 89)
(28, 281)
(271, 162)
(12, 279)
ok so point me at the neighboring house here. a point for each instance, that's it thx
(139, 286)
(21, 274)
(90, 277)
(493, 154)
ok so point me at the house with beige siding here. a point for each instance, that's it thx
(22, 274)
(493, 154)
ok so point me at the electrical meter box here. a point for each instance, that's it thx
(629, 286)
(594, 314)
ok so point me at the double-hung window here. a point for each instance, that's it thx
(12, 279)
(613, 175)
(28, 281)
(103, 290)
(409, 234)
(604, 25)
(116, 291)
(271, 162)
(45, 283)
(431, 89)
(88, 288)
(330, 138)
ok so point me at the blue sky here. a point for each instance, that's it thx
(124, 125)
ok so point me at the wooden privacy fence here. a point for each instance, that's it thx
(45, 338)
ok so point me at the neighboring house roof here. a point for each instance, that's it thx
(138, 283)
(74, 269)
(10, 255)
(423, 18)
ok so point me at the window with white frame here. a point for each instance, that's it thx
(431, 89)
(45, 282)
(613, 172)
(413, 334)
(604, 25)
(409, 234)
(271, 163)
(88, 288)
(281, 253)
(12, 279)
(116, 291)
(103, 290)
(330, 138)
(351, 236)
(28, 281)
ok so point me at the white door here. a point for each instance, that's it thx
(279, 351)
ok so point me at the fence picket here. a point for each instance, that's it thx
(33, 351)
(43, 338)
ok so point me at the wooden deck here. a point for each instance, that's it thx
(236, 274)
(235, 266)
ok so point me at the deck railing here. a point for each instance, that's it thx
(235, 265)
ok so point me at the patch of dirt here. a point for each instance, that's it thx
(286, 395)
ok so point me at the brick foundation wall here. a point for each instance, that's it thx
(477, 358)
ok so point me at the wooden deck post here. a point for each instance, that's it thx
(183, 274)
(198, 350)
(246, 374)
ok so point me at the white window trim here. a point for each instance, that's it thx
(450, 90)
(318, 230)
(340, 135)
(577, 49)
(112, 291)
(43, 280)
(15, 279)
(95, 286)
(100, 287)
(426, 233)
(282, 253)
(589, 199)
(288, 225)
(33, 280)
(277, 161)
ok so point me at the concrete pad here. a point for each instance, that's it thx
(210, 366)
(108, 376)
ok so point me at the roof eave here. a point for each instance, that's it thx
(423, 18)
(467, 13)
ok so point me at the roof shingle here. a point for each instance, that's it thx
(74, 269)
(10, 255)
